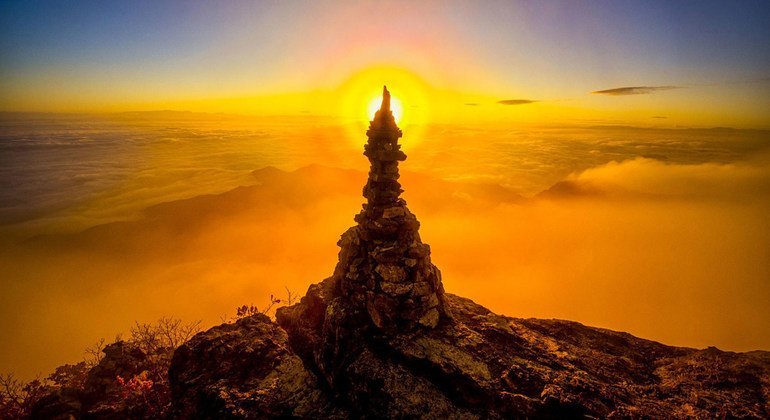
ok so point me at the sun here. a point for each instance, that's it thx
(395, 107)
(360, 96)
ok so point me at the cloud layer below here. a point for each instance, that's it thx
(671, 252)
(662, 233)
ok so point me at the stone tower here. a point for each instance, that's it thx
(384, 276)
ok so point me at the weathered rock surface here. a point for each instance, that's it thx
(245, 370)
(475, 365)
(479, 364)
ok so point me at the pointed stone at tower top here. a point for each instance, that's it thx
(385, 100)
(383, 118)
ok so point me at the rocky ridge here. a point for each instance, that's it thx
(475, 365)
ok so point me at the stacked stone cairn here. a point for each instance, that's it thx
(384, 274)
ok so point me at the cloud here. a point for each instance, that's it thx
(516, 101)
(634, 90)
(670, 251)
(596, 259)
(650, 178)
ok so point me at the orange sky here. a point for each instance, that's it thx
(460, 60)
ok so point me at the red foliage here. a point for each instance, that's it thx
(142, 397)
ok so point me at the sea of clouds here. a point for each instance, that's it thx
(662, 233)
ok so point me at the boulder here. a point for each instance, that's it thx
(245, 370)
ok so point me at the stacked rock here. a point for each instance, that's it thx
(384, 270)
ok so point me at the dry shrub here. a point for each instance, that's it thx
(18, 397)
(246, 311)
(144, 395)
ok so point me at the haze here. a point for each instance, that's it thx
(603, 162)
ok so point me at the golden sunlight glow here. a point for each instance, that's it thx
(395, 106)
(360, 97)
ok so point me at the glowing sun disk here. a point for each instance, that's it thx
(360, 97)
(395, 106)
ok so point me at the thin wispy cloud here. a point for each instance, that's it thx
(516, 101)
(634, 90)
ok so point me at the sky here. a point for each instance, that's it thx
(697, 63)
(606, 162)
